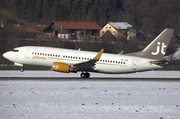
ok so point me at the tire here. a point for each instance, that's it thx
(21, 69)
(85, 75)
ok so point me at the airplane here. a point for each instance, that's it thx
(69, 60)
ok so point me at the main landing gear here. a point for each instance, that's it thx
(85, 75)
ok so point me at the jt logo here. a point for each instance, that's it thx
(159, 46)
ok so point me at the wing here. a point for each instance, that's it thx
(89, 65)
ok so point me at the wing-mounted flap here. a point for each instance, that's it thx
(89, 65)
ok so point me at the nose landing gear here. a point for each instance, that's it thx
(22, 69)
(85, 75)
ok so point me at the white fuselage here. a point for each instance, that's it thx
(108, 63)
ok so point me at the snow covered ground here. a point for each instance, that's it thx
(85, 99)
(55, 98)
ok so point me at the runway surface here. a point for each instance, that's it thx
(76, 98)
(52, 74)
(91, 79)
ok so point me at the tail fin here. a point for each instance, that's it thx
(157, 48)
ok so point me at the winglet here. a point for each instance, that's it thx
(98, 56)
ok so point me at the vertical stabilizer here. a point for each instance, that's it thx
(157, 48)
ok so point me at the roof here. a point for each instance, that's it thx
(40, 27)
(29, 30)
(120, 25)
(78, 25)
(20, 29)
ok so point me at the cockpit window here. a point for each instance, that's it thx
(15, 50)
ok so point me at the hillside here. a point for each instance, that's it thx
(5, 12)
(151, 16)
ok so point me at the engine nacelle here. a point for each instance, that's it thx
(62, 67)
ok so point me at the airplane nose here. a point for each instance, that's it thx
(5, 55)
(9, 55)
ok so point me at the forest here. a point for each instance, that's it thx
(150, 16)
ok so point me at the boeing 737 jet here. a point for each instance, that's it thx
(67, 60)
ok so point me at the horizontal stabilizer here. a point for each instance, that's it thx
(160, 62)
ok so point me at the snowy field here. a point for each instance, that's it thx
(55, 98)
(27, 99)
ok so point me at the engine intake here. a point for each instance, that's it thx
(62, 67)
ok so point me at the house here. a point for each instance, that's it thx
(44, 31)
(79, 30)
(119, 30)
(64, 34)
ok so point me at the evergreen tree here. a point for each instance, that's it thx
(76, 11)
(47, 10)
(56, 10)
(38, 15)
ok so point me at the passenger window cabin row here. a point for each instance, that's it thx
(75, 57)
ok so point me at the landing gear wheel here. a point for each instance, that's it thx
(85, 75)
(21, 69)
(82, 75)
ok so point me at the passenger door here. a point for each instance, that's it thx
(27, 53)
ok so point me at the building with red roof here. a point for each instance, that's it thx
(57, 29)
(82, 30)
